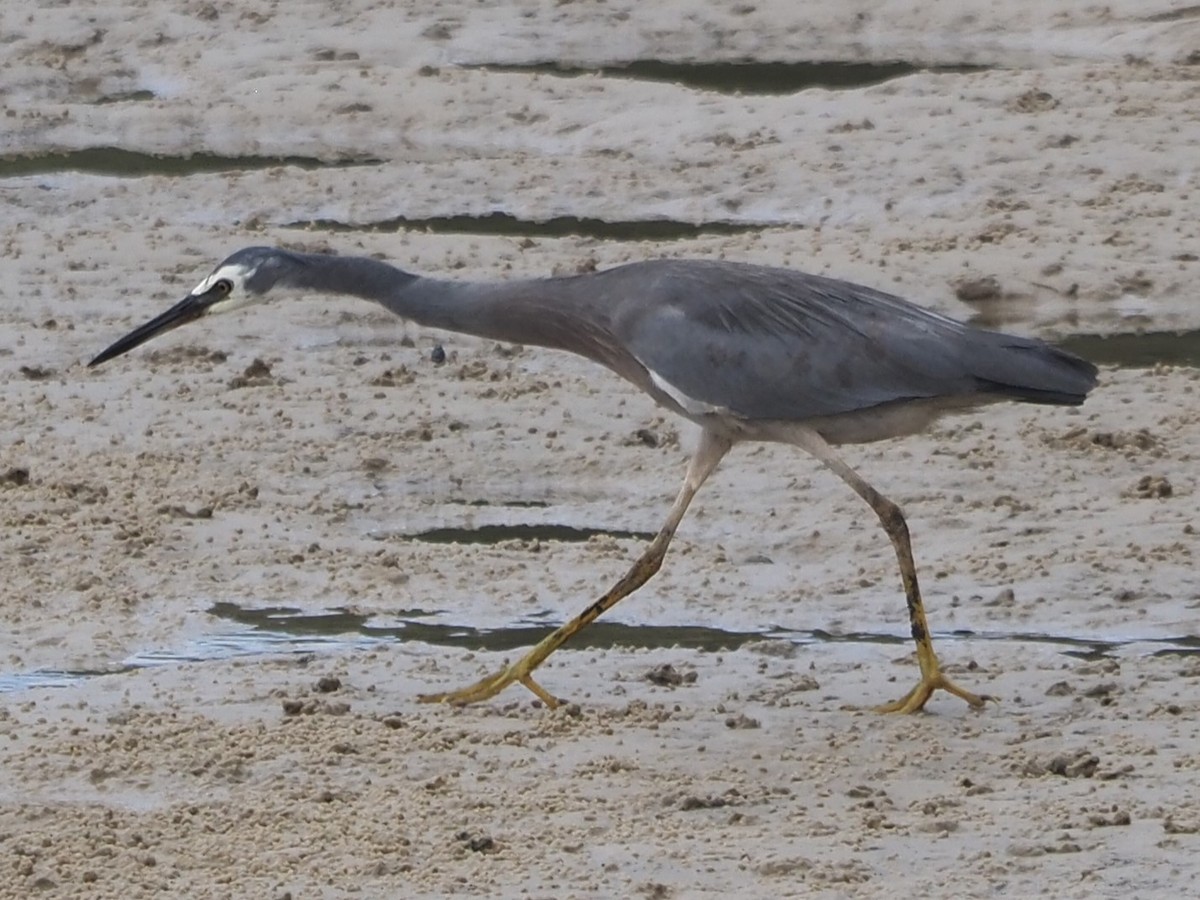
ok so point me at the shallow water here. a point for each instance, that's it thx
(745, 77)
(501, 224)
(1138, 350)
(280, 630)
(495, 534)
(115, 162)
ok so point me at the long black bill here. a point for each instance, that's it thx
(189, 308)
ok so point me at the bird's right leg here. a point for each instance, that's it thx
(711, 451)
(932, 678)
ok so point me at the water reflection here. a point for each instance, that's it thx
(282, 630)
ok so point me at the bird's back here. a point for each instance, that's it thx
(762, 343)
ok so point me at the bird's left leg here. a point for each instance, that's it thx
(893, 523)
(710, 452)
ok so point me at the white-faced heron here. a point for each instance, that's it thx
(747, 352)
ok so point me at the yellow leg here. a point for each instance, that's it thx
(932, 680)
(893, 523)
(712, 449)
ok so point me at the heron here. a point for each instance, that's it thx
(747, 352)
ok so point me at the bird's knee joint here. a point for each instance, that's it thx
(891, 516)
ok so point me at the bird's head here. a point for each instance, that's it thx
(245, 278)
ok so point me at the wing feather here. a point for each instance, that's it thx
(768, 343)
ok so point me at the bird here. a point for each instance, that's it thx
(747, 352)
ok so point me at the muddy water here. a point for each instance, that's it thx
(1138, 350)
(118, 163)
(748, 77)
(248, 631)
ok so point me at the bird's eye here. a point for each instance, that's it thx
(224, 286)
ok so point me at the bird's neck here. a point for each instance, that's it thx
(354, 276)
(518, 311)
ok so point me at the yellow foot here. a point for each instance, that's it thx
(490, 686)
(915, 700)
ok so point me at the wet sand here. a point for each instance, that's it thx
(136, 496)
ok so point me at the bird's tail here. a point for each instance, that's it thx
(1033, 371)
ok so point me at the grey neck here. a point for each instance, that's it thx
(524, 311)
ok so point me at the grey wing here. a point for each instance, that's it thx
(763, 343)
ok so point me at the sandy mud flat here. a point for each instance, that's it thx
(222, 584)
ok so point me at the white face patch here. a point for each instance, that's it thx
(237, 297)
